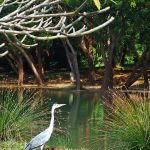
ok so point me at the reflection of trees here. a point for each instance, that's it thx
(85, 119)
(20, 94)
(74, 111)
(96, 122)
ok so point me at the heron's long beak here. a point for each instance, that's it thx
(60, 105)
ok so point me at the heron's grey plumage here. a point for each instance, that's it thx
(43, 137)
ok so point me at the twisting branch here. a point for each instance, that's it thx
(3, 44)
(4, 53)
(31, 18)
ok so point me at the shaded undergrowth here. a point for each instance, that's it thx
(21, 114)
(128, 123)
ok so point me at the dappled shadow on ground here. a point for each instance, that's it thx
(61, 80)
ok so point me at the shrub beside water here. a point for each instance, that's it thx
(20, 115)
(128, 123)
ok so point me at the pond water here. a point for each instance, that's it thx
(83, 116)
(77, 124)
(80, 124)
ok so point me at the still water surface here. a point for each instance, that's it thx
(82, 118)
(77, 124)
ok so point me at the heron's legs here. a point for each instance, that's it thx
(42, 147)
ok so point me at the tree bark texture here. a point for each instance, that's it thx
(72, 60)
(20, 71)
(32, 65)
(12, 63)
(140, 69)
(87, 49)
(40, 64)
(108, 61)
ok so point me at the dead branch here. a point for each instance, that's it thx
(31, 18)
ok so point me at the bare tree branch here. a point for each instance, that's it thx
(4, 53)
(30, 18)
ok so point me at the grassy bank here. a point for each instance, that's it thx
(128, 124)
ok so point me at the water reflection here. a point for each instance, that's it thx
(84, 117)
(77, 124)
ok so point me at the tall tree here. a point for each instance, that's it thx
(123, 35)
(42, 20)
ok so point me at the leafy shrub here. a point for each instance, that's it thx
(128, 124)
(20, 114)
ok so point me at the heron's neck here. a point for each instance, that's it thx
(52, 120)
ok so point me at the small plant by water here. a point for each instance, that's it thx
(128, 123)
(19, 115)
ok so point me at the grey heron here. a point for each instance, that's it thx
(43, 137)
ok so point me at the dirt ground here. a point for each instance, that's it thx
(61, 80)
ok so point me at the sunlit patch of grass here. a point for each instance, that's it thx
(60, 141)
(12, 145)
(21, 115)
(128, 123)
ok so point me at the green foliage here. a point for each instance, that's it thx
(128, 125)
(98, 111)
(98, 60)
(73, 3)
(77, 3)
(133, 4)
(11, 145)
(1, 1)
(97, 118)
(97, 4)
(19, 115)
(61, 141)
(83, 61)
(129, 60)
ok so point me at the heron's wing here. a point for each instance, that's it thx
(27, 146)
(40, 139)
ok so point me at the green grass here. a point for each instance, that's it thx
(12, 145)
(21, 115)
(128, 124)
(126, 127)
(61, 141)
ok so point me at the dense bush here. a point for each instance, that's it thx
(21, 114)
(128, 124)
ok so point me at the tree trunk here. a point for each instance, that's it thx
(32, 65)
(108, 77)
(72, 60)
(123, 54)
(75, 65)
(146, 82)
(12, 64)
(40, 64)
(108, 61)
(37, 75)
(16, 62)
(139, 70)
(88, 54)
(20, 71)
